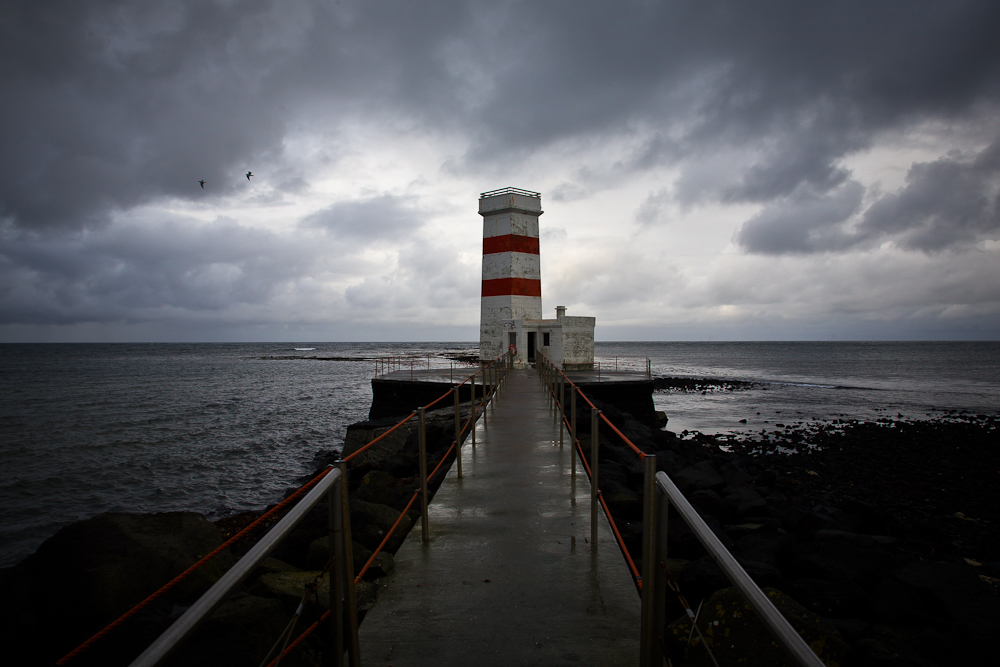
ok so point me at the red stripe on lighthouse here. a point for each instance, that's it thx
(512, 287)
(510, 243)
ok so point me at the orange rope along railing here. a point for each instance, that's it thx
(385, 540)
(621, 544)
(614, 527)
(312, 628)
(412, 414)
(378, 439)
(636, 577)
(621, 435)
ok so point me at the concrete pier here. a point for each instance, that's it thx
(509, 576)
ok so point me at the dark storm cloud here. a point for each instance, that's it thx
(951, 202)
(805, 82)
(947, 202)
(110, 104)
(806, 222)
(383, 217)
(129, 271)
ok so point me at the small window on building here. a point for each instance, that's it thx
(512, 338)
(545, 339)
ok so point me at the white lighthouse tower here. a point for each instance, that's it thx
(512, 277)
(511, 316)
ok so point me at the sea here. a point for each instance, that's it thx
(219, 428)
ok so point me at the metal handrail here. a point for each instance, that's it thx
(658, 492)
(654, 536)
(510, 191)
(626, 363)
(502, 363)
(207, 603)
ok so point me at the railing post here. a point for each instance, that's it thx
(594, 490)
(337, 576)
(547, 377)
(497, 376)
(661, 553)
(422, 439)
(475, 411)
(562, 409)
(650, 651)
(458, 434)
(351, 601)
(554, 383)
(572, 428)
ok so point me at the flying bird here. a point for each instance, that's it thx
(249, 174)
(202, 184)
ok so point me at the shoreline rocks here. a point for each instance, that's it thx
(884, 531)
(91, 572)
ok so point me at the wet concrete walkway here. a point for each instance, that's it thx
(508, 576)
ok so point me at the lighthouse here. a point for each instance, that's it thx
(511, 307)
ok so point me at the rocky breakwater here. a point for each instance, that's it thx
(92, 571)
(877, 541)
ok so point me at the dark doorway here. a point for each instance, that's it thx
(531, 346)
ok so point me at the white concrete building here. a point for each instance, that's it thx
(511, 316)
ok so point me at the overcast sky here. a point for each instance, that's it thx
(709, 170)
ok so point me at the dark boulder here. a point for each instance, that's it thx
(701, 578)
(622, 501)
(92, 571)
(685, 544)
(763, 546)
(744, 502)
(954, 593)
(842, 561)
(733, 476)
(668, 462)
(697, 477)
(708, 503)
(857, 539)
(837, 599)
(736, 635)
(381, 488)
(240, 633)
(370, 523)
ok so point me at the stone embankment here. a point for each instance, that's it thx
(93, 571)
(877, 540)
